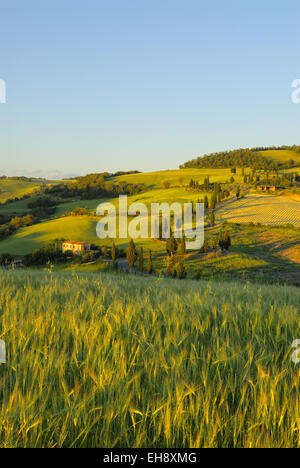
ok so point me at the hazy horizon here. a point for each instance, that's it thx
(60, 175)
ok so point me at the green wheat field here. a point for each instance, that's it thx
(106, 360)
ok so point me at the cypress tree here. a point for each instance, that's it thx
(224, 240)
(141, 260)
(113, 253)
(227, 240)
(105, 252)
(205, 246)
(183, 246)
(171, 265)
(149, 262)
(171, 245)
(180, 270)
(131, 255)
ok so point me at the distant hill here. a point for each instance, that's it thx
(11, 189)
(283, 156)
(274, 157)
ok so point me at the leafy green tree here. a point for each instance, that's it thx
(212, 218)
(27, 220)
(6, 259)
(16, 223)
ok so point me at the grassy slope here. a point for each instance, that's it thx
(155, 179)
(18, 208)
(249, 258)
(104, 361)
(240, 263)
(281, 155)
(83, 228)
(16, 188)
(21, 207)
(257, 254)
(271, 209)
(32, 237)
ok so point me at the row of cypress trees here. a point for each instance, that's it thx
(172, 247)
(132, 256)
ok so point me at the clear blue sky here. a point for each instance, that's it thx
(144, 84)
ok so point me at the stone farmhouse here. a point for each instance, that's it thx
(267, 188)
(76, 247)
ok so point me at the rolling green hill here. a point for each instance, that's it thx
(27, 239)
(13, 188)
(281, 156)
(177, 177)
(255, 157)
(16, 188)
(33, 237)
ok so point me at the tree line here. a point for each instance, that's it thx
(240, 158)
(93, 186)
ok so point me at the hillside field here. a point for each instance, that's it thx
(26, 239)
(281, 155)
(16, 188)
(156, 179)
(257, 253)
(272, 257)
(102, 360)
(261, 208)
